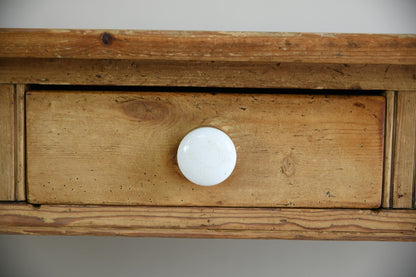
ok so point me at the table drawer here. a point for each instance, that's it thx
(120, 148)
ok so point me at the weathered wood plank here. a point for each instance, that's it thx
(20, 159)
(388, 149)
(7, 142)
(203, 222)
(119, 148)
(405, 155)
(209, 46)
(208, 74)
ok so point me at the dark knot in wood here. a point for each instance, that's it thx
(107, 38)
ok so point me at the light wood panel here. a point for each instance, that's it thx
(405, 155)
(7, 143)
(119, 148)
(203, 222)
(209, 46)
(354, 77)
(389, 149)
(20, 162)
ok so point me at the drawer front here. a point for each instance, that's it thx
(120, 148)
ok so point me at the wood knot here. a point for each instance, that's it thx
(107, 38)
(150, 110)
(359, 105)
(288, 166)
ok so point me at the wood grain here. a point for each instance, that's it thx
(20, 159)
(205, 222)
(87, 148)
(388, 149)
(7, 143)
(209, 46)
(354, 77)
(119, 148)
(405, 155)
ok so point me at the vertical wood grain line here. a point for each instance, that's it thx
(404, 157)
(20, 164)
(388, 149)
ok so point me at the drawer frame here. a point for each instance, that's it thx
(353, 62)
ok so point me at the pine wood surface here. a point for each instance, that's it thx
(353, 77)
(404, 171)
(209, 46)
(353, 62)
(205, 222)
(388, 149)
(120, 148)
(20, 162)
(7, 143)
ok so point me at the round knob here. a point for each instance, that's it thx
(206, 156)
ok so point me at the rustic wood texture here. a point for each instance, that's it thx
(20, 160)
(204, 222)
(7, 143)
(209, 46)
(353, 77)
(388, 149)
(405, 154)
(119, 148)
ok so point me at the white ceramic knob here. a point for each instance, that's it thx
(206, 156)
